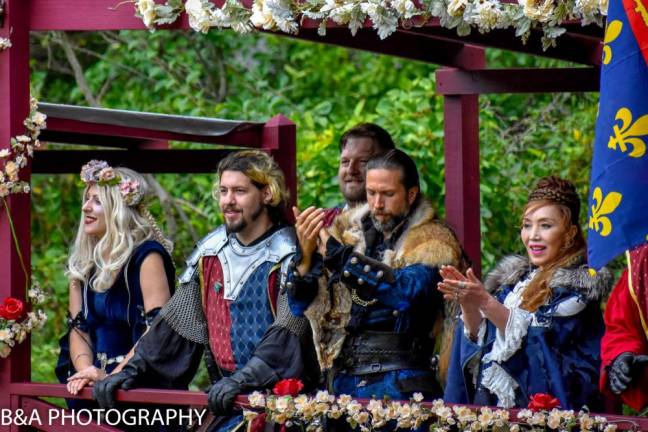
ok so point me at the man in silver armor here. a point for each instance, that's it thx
(229, 303)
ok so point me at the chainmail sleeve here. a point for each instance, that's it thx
(184, 312)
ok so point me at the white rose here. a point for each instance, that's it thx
(456, 7)
(261, 16)
(146, 8)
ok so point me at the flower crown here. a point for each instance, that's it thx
(102, 174)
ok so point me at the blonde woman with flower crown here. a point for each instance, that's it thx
(120, 274)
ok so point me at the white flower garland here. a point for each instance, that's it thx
(22, 148)
(386, 15)
(310, 413)
(15, 159)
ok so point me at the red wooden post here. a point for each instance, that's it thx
(461, 142)
(461, 139)
(280, 139)
(14, 108)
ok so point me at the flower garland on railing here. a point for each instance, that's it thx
(15, 321)
(385, 15)
(287, 408)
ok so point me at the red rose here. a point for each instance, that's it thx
(543, 401)
(288, 387)
(11, 309)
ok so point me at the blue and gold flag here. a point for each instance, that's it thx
(618, 202)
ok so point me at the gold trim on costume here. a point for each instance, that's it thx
(634, 295)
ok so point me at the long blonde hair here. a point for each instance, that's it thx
(98, 261)
(573, 249)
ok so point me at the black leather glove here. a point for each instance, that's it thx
(126, 379)
(624, 369)
(255, 375)
(222, 394)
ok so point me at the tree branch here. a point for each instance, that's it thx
(79, 76)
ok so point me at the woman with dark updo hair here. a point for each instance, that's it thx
(535, 325)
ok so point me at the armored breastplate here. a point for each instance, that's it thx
(238, 261)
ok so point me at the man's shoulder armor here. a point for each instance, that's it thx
(210, 245)
(281, 244)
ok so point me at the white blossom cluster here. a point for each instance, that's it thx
(4, 44)
(22, 148)
(385, 15)
(14, 332)
(309, 413)
(565, 420)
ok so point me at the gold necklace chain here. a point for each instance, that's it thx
(357, 300)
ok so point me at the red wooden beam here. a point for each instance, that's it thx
(179, 397)
(151, 396)
(580, 45)
(462, 82)
(571, 47)
(81, 132)
(87, 15)
(14, 108)
(403, 43)
(461, 140)
(146, 161)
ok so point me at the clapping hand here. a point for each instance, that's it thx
(308, 225)
(467, 290)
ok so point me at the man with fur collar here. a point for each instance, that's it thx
(372, 300)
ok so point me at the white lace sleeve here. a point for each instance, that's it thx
(509, 342)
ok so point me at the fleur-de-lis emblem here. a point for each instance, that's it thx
(612, 31)
(629, 133)
(603, 206)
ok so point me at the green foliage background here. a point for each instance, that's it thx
(324, 90)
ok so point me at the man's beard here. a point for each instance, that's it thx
(388, 225)
(352, 195)
(242, 224)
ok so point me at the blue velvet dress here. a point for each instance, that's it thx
(115, 319)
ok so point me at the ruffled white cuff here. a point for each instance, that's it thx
(509, 342)
(501, 384)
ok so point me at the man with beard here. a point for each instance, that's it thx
(372, 299)
(357, 145)
(228, 299)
